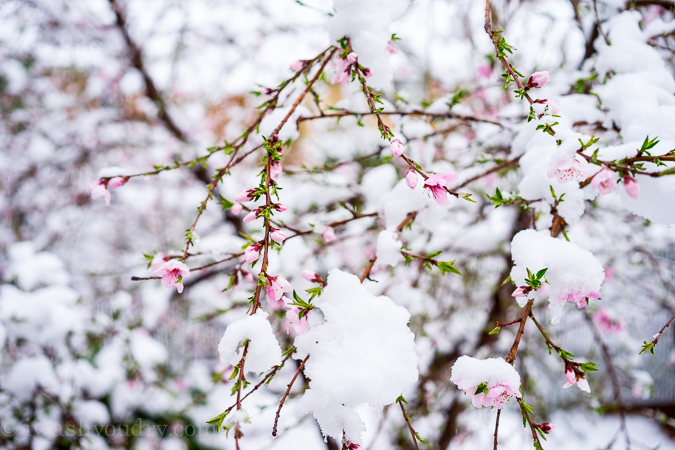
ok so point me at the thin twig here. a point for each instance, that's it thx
(413, 433)
(288, 391)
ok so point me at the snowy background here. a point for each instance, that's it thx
(94, 88)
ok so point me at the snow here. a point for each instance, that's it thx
(363, 353)
(469, 372)
(573, 272)
(264, 351)
(368, 25)
(389, 248)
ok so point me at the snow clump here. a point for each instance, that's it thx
(573, 272)
(363, 353)
(264, 351)
(490, 382)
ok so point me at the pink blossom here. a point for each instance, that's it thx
(245, 196)
(277, 305)
(538, 80)
(485, 70)
(497, 395)
(572, 379)
(396, 147)
(98, 189)
(275, 170)
(552, 103)
(567, 170)
(520, 292)
(352, 57)
(252, 252)
(299, 325)
(391, 49)
(328, 234)
(342, 71)
(278, 236)
(251, 216)
(604, 181)
(279, 207)
(236, 209)
(158, 260)
(579, 297)
(631, 186)
(298, 65)
(411, 179)
(172, 273)
(353, 446)
(311, 276)
(276, 288)
(367, 72)
(435, 185)
(605, 322)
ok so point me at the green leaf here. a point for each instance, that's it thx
(495, 330)
(401, 399)
(506, 281)
(648, 346)
(447, 267)
(541, 273)
(589, 367)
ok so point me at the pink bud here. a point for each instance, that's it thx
(538, 80)
(352, 57)
(520, 292)
(244, 196)
(631, 185)
(411, 178)
(236, 209)
(298, 65)
(311, 276)
(546, 427)
(275, 170)
(278, 236)
(391, 49)
(570, 376)
(250, 217)
(252, 253)
(396, 147)
(268, 91)
(279, 207)
(367, 72)
(117, 182)
(329, 234)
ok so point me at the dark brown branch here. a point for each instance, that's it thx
(499, 412)
(288, 391)
(511, 359)
(136, 57)
(416, 112)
